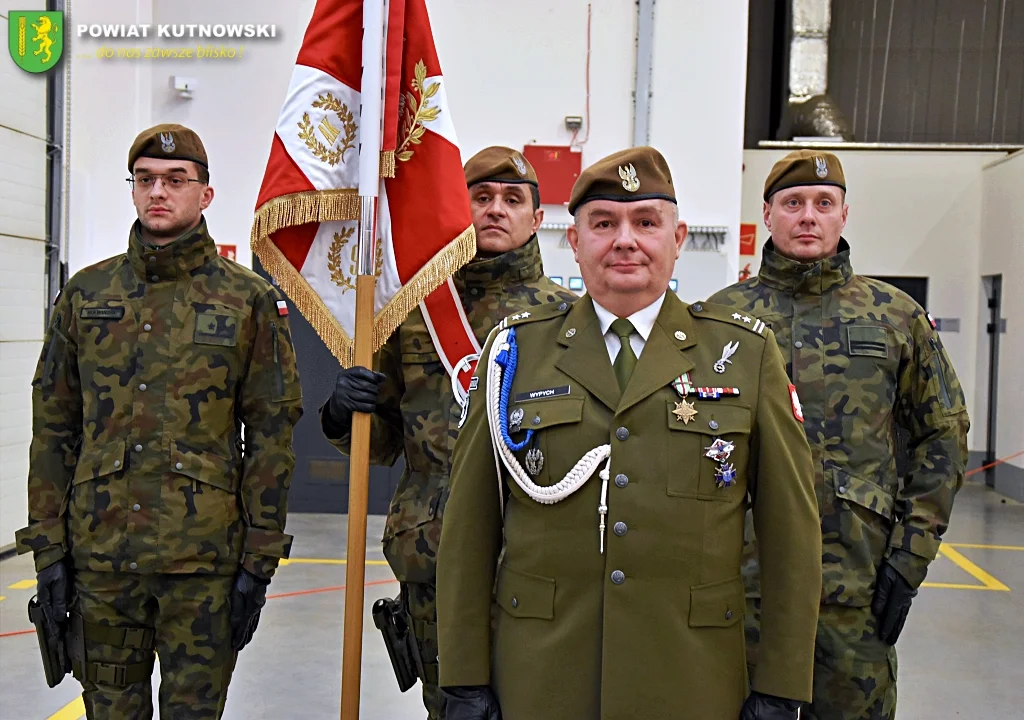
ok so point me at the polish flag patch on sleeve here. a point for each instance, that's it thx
(282, 309)
(798, 411)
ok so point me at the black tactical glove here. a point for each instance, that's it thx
(891, 603)
(355, 390)
(248, 596)
(768, 707)
(477, 702)
(53, 592)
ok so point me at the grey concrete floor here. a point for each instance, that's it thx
(961, 654)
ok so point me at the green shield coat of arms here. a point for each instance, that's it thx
(35, 39)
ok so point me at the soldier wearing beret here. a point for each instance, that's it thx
(416, 415)
(870, 368)
(590, 564)
(154, 529)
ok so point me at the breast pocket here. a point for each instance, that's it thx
(872, 365)
(707, 456)
(107, 330)
(554, 448)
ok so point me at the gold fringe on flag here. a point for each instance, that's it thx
(310, 206)
(387, 164)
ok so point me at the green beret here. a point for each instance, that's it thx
(639, 173)
(168, 142)
(499, 164)
(805, 167)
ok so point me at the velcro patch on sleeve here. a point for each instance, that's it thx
(798, 410)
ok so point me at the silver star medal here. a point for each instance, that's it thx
(515, 420)
(534, 461)
(727, 352)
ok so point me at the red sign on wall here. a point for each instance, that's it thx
(748, 239)
(228, 251)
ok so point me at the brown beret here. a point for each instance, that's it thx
(499, 164)
(639, 173)
(168, 142)
(805, 167)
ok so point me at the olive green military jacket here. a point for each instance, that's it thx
(866, 361)
(652, 628)
(153, 362)
(417, 413)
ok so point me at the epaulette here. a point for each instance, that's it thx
(726, 314)
(540, 312)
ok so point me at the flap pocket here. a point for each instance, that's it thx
(97, 461)
(218, 326)
(717, 604)
(523, 595)
(539, 415)
(206, 467)
(420, 358)
(864, 493)
(868, 340)
(713, 418)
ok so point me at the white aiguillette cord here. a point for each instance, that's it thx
(573, 480)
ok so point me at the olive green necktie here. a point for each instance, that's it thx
(625, 361)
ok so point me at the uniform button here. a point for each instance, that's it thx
(618, 577)
(563, 307)
(842, 489)
(515, 602)
(621, 480)
(138, 448)
(698, 307)
(622, 433)
(798, 344)
(536, 419)
(134, 566)
(154, 278)
(713, 425)
(151, 258)
(117, 463)
(728, 614)
(136, 507)
(147, 327)
(178, 466)
(620, 528)
(143, 387)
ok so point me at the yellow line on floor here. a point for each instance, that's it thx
(956, 586)
(325, 561)
(984, 547)
(72, 711)
(2, 598)
(22, 585)
(969, 567)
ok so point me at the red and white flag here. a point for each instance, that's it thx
(305, 229)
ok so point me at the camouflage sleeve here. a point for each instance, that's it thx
(386, 433)
(56, 433)
(932, 408)
(785, 513)
(271, 405)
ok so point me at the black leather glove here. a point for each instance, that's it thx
(248, 596)
(53, 592)
(355, 390)
(768, 707)
(476, 702)
(891, 603)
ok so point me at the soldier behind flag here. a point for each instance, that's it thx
(411, 393)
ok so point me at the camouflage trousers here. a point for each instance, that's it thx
(412, 555)
(854, 671)
(126, 617)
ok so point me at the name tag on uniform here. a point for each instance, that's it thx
(541, 394)
(215, 329)
(102, 313)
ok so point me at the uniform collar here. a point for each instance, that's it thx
(816, 278)
(643, 320)
(522, 264)
(177, 258)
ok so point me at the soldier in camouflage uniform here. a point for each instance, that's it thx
(869, 367)
(416, 414)
(148, 519)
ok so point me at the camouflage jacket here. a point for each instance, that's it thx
(417, 415)
(868, 366)
(153, 362)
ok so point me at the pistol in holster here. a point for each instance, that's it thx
(392, 620)
(52, 648)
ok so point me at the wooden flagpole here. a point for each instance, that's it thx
(370, 133)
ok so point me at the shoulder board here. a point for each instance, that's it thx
(729, 315)
(540, 312)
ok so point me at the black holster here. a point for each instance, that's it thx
(54, 651)
(392, 620)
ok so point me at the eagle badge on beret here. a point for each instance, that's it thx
(629, 179)
(167, 142)
(517, 160)
(820, 167)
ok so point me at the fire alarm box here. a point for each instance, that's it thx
(557, 168)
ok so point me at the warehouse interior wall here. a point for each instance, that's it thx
(22, 272)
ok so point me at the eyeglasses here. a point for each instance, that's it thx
(173, 183)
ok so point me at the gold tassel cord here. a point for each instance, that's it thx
(387, 164)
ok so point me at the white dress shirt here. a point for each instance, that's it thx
(643, 322)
